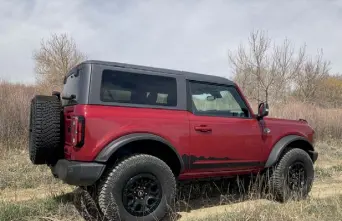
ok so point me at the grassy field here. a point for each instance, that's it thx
(30, 193)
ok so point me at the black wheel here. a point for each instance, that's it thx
(142, 187)
(293, 176)
(45, 130)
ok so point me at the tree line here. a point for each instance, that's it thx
(277, 73)
(265, 71)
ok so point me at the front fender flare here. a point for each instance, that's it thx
(116, 144)
(280, 146)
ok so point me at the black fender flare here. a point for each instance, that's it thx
(116, 144)
(281, 145)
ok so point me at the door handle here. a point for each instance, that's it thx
(203, 129)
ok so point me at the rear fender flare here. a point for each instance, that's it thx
(116, 144)
(280, 146)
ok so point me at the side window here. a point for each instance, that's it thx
(134, 88)
(217, 100)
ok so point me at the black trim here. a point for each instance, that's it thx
(115, 145)
(190, 160)
(78, 173)
(188, 97)
(281, 145)
(314, 155)
(162, 71)
(227, 165)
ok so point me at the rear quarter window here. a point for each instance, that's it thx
(142, 89)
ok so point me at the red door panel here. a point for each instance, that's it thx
(219, 143)
(223, 136)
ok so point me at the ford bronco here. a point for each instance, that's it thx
(134, 132)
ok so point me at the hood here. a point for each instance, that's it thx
(281, 120)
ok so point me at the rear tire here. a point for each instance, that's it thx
(293, 176)
(142, 187)
(45, 130)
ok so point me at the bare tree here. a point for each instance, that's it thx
(329, 91)
(311, 76)
(55, 58)
(265, 70)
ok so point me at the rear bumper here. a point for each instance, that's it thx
(314, 155)
(78, 173)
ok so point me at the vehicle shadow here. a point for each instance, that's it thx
(205, 195)
(189, 197)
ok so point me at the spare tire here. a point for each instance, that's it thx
(45, 132)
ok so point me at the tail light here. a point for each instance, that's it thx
(77, 131)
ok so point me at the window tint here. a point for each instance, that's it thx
(132, 88)
(71, 87)
(217, 100)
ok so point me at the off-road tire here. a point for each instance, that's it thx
(279, 188)
(45, 130)
(110, 196)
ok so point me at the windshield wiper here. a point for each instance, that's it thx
(69, 98)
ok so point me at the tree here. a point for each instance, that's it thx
(264, 70)
(308, 80)
(271, 72)
(55, 58)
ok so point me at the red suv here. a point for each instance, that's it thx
(134, 132)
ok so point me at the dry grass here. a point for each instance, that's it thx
(309, 210)
(326, 122)
(48, 209)
(29, 192)
(17, 172)
(14, 100)
(62, 208)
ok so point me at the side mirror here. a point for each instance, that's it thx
(262, 110)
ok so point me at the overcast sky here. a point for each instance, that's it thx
(185, 35)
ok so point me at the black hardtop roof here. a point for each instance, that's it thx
(188, 75)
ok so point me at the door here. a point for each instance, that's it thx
(223, 134)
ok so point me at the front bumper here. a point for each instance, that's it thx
(314, 155)
(78, 173)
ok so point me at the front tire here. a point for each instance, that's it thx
(293, 176)
(142, 187)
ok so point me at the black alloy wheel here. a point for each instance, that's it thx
(292, 177)
(297, 177)
(142, 194)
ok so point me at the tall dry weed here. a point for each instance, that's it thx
(14, 112)
(326, 122)
(15, 108)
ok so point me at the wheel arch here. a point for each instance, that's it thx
(144, 143)
(290, 141)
